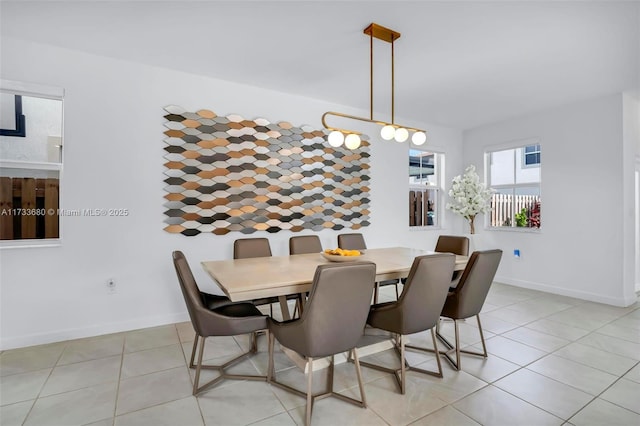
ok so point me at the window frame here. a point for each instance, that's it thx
(515, 145)
(523, 160)
(45, 92)
(438, 188)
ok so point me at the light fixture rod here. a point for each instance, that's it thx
(393, 89)
(389, 36)
(354, 117)
(371, 75)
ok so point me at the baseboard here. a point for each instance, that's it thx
(584, 295)
(90, 331)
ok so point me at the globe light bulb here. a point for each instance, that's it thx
(352, 141)
(419, 138)
(387, 132)
(401, 134)
(336, 138)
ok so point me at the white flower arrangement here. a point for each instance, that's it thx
(469, 196)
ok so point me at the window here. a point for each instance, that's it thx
(31, 164)
(425, 188)
(531, 156)
(514, 175)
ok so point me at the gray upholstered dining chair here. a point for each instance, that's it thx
(455, 244)
(304, 244)
(251, 247)
(216, 319)
(332, 322)
(418, 309)
(355, 241)
(352, 241)
(467, 299)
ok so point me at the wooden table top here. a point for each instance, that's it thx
(248, 279)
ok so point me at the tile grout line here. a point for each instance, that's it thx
(606, 389)
(549, 353)
(44, 384)
(186, 363)
(619, 377)
(115, 405)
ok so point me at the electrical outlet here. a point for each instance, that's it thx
(111, 286)
(516, 253)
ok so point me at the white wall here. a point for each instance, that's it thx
(584, 248)
(631, 188)
(113, 159)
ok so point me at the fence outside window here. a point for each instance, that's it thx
(526, 207)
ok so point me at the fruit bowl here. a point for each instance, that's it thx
(340, 255)
(338, 258)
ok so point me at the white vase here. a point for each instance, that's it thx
(474, 242)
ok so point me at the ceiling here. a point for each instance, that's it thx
(458, 64)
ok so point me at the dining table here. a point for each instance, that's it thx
(279, 276)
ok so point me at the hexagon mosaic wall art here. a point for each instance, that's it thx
(227, 173)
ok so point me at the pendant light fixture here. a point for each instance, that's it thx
(388, 131)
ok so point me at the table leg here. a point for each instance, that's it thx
(284, 307)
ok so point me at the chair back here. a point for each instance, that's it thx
(471, 292)
(305, 244)
(251, 247)
(424, 293)
(351, 242)
(453, 244)
(190, 290)
(336, 312)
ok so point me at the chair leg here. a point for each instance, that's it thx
(311, 398)
(484, 346)
(359, 375)
(375, 293)
(456, 364)
(403, 367)
(193, 351)
(399, 374)
(309, 407)
(457, 333)
(435, 350)
(397, 294)
(221, 368)
(197, 378)
(452, 347)
(271, 373)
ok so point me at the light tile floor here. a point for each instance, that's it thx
(552, 360)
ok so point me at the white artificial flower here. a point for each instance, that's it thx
(469, 196)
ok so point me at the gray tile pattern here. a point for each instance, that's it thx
(552, 360)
